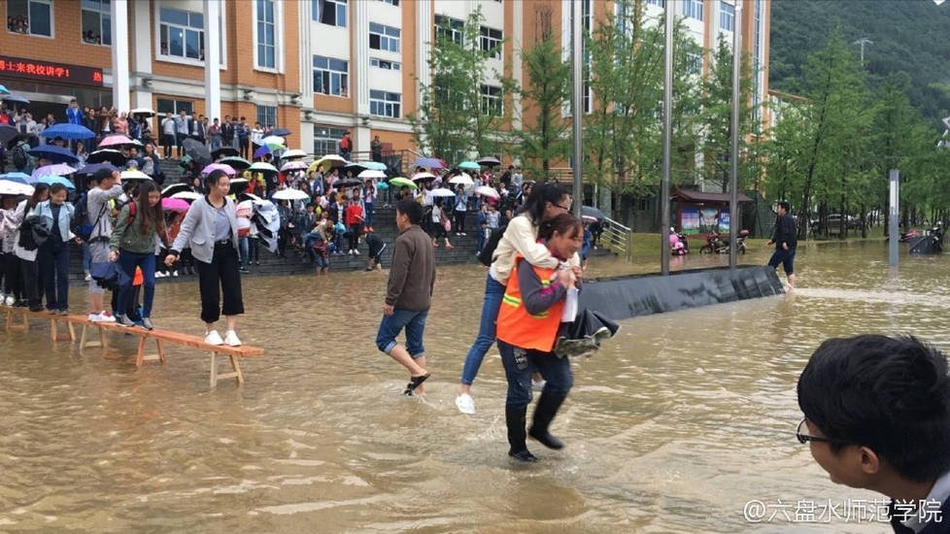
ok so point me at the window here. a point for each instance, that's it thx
(182, 33)
(32, 17)
(661, 3)
(491, 41)
(331, 12)
(727, 16)
(694, 62)
(384, 64)
(693, 9)
(491, 100)
(267, 115)
(391, 2)
(266, 35)
(449, 28)
(330, 76)
(326, 139)
(383, 37)
(96, 22)
(166, 105)
(384, 104)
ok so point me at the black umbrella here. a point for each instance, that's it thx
(7, 133)
(15, 98)
(107, 155)
(591, 213)
(584, 335)
(280, 132)
(93, 168)
(489, 161)
(224, 151)
(346, 182)
(197, 150)
(355, 168)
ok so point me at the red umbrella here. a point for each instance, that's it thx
(174, 204)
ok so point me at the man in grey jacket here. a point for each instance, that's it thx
(98, 208)
(408, 295)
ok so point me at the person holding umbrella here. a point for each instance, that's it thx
(140, 227)
(211, 230)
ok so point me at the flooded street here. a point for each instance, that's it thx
(674, 426)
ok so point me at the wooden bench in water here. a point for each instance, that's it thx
(158, 335)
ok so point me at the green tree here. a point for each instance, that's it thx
(453, 119)
(546, 138)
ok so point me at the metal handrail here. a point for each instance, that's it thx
(618, 238)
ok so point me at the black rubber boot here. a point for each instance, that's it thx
(515, 419)
(544, 413)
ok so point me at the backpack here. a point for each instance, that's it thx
(21, 159)
(81, 225)
(488, 249)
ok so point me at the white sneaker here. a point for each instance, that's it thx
(101, 317)
(231, 339)
(174, 273)
(213, 338)
(538, 385)
(465, 403)
(8, 300)
(160, 274)
(88, 277)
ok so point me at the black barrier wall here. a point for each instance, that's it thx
(631, 296)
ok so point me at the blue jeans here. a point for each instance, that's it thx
(494, 292)
(86, 258)
(243, 251)
(368, 220)
(518, 366)
(54, 275)
(128, 261)
(415, 324)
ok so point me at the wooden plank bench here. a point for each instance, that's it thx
(160, 336)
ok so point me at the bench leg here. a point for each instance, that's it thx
(235, 365)
(54, 330)
(72, 332)
(140, 354)
(161, 350)
(141, 357)
(11, 326)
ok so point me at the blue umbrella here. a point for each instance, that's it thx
(469, 165)
(93, 168)
(280, 132)
(429, 163)
(4, 90)
(54, 153)
(67, 130)
(372, 165)
(259, 153)
(50, 180)
(18, 177)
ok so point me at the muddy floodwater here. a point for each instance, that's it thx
(683, 423)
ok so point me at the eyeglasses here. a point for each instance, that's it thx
(805, 438)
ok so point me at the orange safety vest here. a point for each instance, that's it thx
(519, 328)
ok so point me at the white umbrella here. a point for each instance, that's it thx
(294, 166)
(463, 179)
(370, 173)
(272, 140)
(442, 192)
(135, 174)
(487, 191)
(290, 194)
(423, 176)
(262, 166)
(187, 195)
(8, 187)
(294, 153)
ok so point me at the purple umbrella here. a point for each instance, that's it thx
(59, 169)
(259, 153)
(218, 167)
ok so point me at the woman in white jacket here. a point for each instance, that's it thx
(53, 257)
(32, 292)
(210, 230)
(521, 238)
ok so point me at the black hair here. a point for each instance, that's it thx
(785, 206)
(890, 394)
(564, 224)
(56, 188)
(540, 195)
(212, 179)
(38, 191)
(410, 208)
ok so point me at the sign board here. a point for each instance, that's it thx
(49, 71)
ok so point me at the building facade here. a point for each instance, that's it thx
(317, 67)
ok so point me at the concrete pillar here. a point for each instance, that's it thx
(424, 22)
(361, 135)
(306, 74)
(212, 12)
(142, 59)
(120, 54)
(517, 71)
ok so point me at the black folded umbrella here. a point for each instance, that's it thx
(584, 335)
(107, 155)
(224, 151)
(7, 133)
(196, 149)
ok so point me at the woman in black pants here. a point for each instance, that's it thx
(210, 228)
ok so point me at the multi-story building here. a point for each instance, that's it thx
(153, 54)
(317, 67)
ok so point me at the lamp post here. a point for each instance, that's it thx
(865, 41)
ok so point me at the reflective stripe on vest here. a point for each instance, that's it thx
(519, 328)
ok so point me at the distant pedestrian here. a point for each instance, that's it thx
(785, 239)
(376, 248)
(408, 295)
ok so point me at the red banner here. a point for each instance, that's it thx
(49, 71)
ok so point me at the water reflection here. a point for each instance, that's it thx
(678, 423)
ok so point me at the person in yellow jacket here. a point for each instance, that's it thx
(528, 322)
